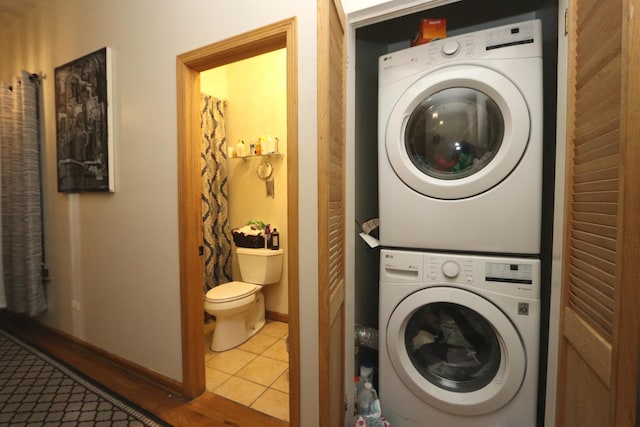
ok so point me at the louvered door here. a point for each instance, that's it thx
(599, 328)
(331, 209)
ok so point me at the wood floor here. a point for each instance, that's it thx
(206, 410)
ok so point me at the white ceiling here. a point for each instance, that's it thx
(10, 10)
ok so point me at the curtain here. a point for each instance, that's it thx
(215, 208)
(21, 290)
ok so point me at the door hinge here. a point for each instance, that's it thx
(566, 22)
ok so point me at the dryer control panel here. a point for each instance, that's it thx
(478, 45)
(510, 35)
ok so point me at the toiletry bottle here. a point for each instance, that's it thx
(267, 234)
(258, 147)
(275, 240)
(240, 149)
(269, 145)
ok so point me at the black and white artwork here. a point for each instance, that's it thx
(84, 137)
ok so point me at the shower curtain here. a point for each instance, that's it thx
(215, 210)
(21, 287)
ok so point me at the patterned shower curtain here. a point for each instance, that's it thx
(21, 287)
(215, 210)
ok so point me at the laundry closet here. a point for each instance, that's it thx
(381, 38)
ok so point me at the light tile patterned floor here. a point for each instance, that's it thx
(254, 374)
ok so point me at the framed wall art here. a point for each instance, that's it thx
(84, 124)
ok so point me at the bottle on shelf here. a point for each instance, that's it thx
(258, 147)
(269, 145)
(240, 149)
(275, 239)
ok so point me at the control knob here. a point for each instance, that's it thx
(450, 48)
(450, 269)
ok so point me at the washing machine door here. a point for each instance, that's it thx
(457, 132)
(455, 350)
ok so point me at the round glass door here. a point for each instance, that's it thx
(454, 133)
(455, 350)
(452, 346)
(457, 132)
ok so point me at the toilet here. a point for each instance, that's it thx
(239, 306)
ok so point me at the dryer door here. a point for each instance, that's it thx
(456, 351)
(457, 132)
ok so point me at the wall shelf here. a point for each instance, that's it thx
(278, 156)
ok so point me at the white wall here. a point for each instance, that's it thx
(118, 253)
(364, 12)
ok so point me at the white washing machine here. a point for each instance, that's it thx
(459, 339)
(460, 143)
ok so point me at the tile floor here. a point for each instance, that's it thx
(254, 374)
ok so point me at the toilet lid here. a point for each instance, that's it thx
(230, 291)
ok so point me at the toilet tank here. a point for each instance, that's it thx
(260, 266)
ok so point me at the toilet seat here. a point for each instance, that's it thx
(231, 291)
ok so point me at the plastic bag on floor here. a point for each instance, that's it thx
(370, 421)
(370, 413)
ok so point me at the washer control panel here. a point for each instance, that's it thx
(509, 272)
(443, 268)
(515, 276)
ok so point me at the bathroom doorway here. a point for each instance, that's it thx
(244, 150)
(244, 108)
(277, 37)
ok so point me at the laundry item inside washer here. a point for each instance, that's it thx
(452, 346)
(456, 347)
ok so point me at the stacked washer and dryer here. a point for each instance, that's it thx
(460, 200)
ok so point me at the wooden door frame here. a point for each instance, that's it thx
(188, 68)
(332, 29)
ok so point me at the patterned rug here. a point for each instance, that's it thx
(37, 390)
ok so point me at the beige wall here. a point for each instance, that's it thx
(214, 82)
(117, 254)
(255, 90)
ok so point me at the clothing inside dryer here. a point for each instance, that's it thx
(452, 346)
(454, 133)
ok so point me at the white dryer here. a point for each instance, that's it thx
(459, 339)
(460, 143)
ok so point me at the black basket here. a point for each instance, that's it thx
(243, 241)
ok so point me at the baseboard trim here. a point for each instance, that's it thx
(280, 317)
(43, 337)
